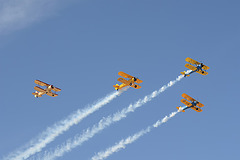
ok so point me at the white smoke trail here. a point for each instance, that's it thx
(124, 142)
(37, 144)
(103, 123)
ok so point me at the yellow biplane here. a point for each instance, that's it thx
(199, 67)
(49, 90)
(131, 81)
(194, 104)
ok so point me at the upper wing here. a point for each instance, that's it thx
(205, 67)
(52, 94)
(190, 60)
(200, 104)
(38, 82)
(189, 66)
(202, 72)
(139, 81)
(187, 97)
(56, 89)
(125, 75)
(136, 86)
(186, 102)
(39, 89)
(123, 81)
(196, 109)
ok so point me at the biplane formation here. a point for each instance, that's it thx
(193, 104)
(128, 80)
(198, 67)
(49, 89)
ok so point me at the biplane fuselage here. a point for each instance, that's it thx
(49, 90)
(186, 107)
(194, 104)
(131, 81)
(199, 67)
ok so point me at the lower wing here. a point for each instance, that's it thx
(186, 102)
(196, 109)
(124, 81)
(189, 66)
(52, 94)
(135, 86)
(202, 72)
(39, 89)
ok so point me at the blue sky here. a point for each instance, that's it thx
(80, 46)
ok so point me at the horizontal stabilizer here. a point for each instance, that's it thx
(183, 73)
(179, 108)
(116, 86)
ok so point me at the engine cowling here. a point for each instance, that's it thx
(50, 87)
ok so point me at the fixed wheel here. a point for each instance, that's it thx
(130, 84)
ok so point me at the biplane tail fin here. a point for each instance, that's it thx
(185, 75)
(180, 108)
(116, 86)
(36, 94)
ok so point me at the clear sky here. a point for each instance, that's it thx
(80, 46)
